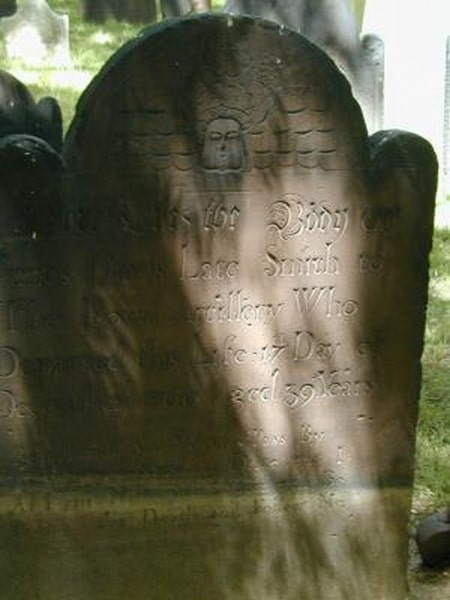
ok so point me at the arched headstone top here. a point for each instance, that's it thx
(188, 83)
(221, 324)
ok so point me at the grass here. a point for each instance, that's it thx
(91, 46)
(432, 487)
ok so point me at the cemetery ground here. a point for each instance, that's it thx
(91, 45)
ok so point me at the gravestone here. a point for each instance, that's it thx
(433, 539)
(414, 99)
(31, 180)
(133, 11)
(7, 7)
(20, 114)
(211, 346)
(36, 35)
(177, 8)
(371, 91)
(332, 26)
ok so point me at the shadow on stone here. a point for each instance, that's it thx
(213, 391)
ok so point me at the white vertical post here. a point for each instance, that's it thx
(415, 36)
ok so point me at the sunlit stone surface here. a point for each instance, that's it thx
(36, 36)
(211, 346)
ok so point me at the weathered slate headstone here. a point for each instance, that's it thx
(36, 35)
(213, 350)
(20, 114)
(31, 181)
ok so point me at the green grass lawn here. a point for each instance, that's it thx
(432, 487)
(91, 46)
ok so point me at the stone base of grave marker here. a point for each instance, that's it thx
(114, 535)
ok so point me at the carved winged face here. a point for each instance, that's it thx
(223, 148)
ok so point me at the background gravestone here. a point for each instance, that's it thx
(433, 539)
(133, 11)
(31, 174)
(424, 109)
(36, 35)
(211, 348)
(7, 7)
(20, 114)
(332, 26)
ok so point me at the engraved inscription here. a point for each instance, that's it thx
(35, 277)
(310, 437)
(153, 356)
(27, 315)
(232, 353)
(260, 394)
(220, 269)
(323, 299)
(11, 407)
(216, 216)
(257, 437)
(370, 263)
(95, 315)
(170, 398)
(47, 366)
(379, 219)
(7, 404)
(326, 384)
(110, 268)
(294, 215)
(324, 264)
(9, 363)
(236, 307)
(307, 346)
(338, 383)
(300, 346)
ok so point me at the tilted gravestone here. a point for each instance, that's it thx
(36, 35)
(211, 342)
(177, 8)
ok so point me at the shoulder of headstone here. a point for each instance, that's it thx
(50, 117)
(395, 149)
(28, 152)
